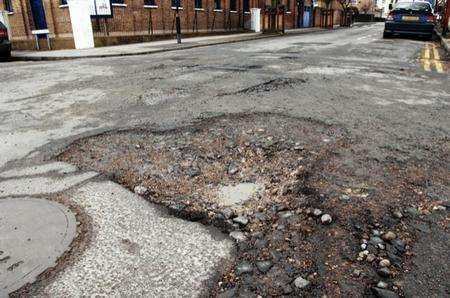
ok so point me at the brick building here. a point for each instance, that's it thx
(145, 20)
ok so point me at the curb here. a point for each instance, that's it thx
(445, 44)
(187, 47)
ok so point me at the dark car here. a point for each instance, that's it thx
(5, 44)
(411, 18)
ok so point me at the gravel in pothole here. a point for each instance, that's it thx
(304, 219)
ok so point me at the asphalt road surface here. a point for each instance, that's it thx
(389, 95)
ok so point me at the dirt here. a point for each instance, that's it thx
(302, 165)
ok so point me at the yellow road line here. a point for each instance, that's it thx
(426, 65)
(439, 67)
(426, 53)
(436, 53)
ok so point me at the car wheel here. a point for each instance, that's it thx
(386, 34)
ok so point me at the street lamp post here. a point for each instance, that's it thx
(177, 21)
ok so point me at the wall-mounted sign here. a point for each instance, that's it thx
(101, 8)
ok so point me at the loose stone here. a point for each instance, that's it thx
(326, 219)
(382, 285)
(388, 236)
(141, 190)
(317, 212)
(242, 220)
(244, 267)
(356, 273)
(370, 258)
(385, 263)
(384, 272)
(383, 293)
(398, 214)
(238, 236)
(264, 266)
(301, 283)
(375, 240)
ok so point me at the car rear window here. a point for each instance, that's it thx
(413, 6)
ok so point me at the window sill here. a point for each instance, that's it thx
(119, 4)
(64, 6)
(246, 12)
(199, 9)
(10, 12)
(151, 6)
(217, 10)
(233, 11)
(174, 8)
(288, 12)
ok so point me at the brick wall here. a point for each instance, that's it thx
(133, 19)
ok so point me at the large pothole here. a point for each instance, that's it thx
(269, 181)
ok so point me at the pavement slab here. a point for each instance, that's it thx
(34, 233)
(138, 250)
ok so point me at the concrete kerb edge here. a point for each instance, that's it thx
(261, 36)
(445, 44)
(31, 58)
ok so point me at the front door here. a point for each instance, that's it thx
(38, 13)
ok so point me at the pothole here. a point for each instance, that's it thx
(268, 86)
(310, 213)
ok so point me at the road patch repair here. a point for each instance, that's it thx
(309, 212)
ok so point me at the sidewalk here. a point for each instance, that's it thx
(149, 47)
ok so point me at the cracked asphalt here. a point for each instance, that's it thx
(376, 90)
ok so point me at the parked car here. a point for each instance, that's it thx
(412, 18)
(5, 44)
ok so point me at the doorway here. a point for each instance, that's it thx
(38, 13)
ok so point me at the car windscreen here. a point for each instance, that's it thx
(413, 6)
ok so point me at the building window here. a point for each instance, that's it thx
(217, 4)
(233, 6)
(198, 3)
(118, 1)
(288, 5)
(149, 2)
(247, 5)
(175, 2)
(9, 6)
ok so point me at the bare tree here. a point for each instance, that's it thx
(366, 6)
(347, 11)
